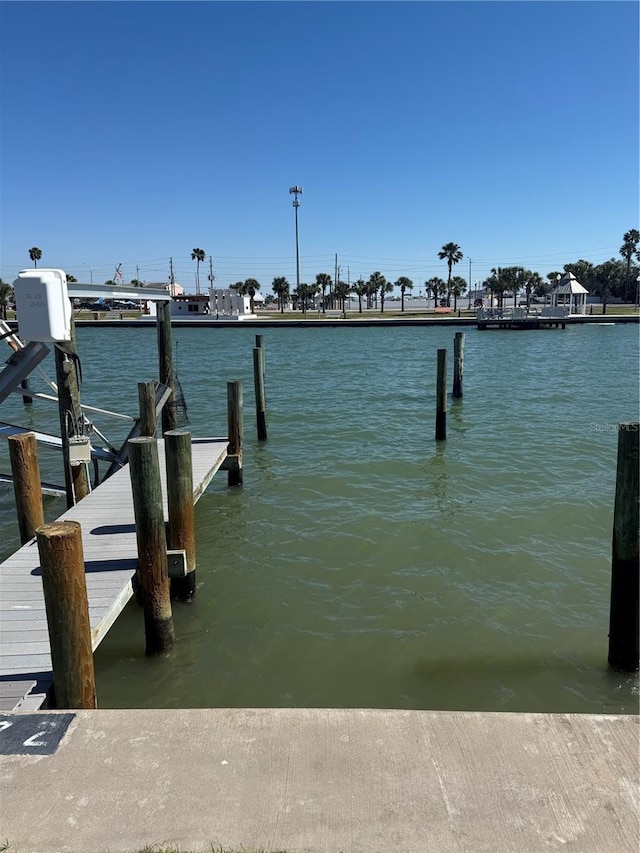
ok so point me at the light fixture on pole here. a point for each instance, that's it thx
(296, 191)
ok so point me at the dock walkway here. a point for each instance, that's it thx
(110, 553)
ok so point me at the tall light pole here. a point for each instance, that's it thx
(296, 191)
(90, 271)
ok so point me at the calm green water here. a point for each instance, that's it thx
(361, 564)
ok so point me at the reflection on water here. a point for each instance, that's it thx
(364, 564)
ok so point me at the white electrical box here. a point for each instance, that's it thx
(79, 450)
(43, 305)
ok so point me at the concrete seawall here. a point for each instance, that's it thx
(325, 781)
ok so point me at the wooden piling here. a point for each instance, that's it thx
(147, 406)
(624, 651)
(181, 531)
(165, 364)
(258, 381)
(458, 365)
(152, 544)
(67, 606)
(23, 453)
(234, 422)
(27, 399)
(441, 396)
(76, 477)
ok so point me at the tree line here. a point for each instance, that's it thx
(616, 278)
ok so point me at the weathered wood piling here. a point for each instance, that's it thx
(624, 651)
(23, 454)
(181, 529)
(147, 407)
(258, 380)
(441, 396)
(76, 477)
(458, 365)
(66, 603)
(233, 462)
(153, 570)
(165, 363)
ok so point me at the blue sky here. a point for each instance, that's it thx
(136, 131)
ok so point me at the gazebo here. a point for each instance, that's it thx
(569, 293)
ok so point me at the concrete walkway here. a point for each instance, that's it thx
(323, 781)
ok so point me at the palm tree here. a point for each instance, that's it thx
(6, 294)
(628, 249)
(404, 283)
(452, 254)
(377, 282)
(342, 290)
(280, 287)
(198, 255)
(323, 280)
(498, 283)
(360, 289)
(435, 286)
(35, 254)
(607, 276)
(71, 278)
(532, 281)
(457, 288)
(249, 288)
(305, 292)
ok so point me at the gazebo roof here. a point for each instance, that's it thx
(569, 284)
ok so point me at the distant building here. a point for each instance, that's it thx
(190, 305)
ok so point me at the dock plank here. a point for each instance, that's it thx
(110, 553)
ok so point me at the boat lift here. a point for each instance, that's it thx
(47, 318)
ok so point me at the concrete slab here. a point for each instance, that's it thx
(327, 781)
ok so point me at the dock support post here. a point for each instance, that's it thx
(624, 649)
(76, 477)
(67, 606)
(165, 360)
(181, 529)
(258, 380)
(458, 365)
(234, 422)
(23, 454)
(441, 396)
(152, 544)
(26, 399)
(147, 406)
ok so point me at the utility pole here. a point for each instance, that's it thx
(171, 278)
(296, 191)
(469, 282)
(335, 281)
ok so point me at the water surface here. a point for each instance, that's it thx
(362, 564)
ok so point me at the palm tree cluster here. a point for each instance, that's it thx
(611, 278)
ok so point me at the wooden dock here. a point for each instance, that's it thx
(518, 318)
(110, 554)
